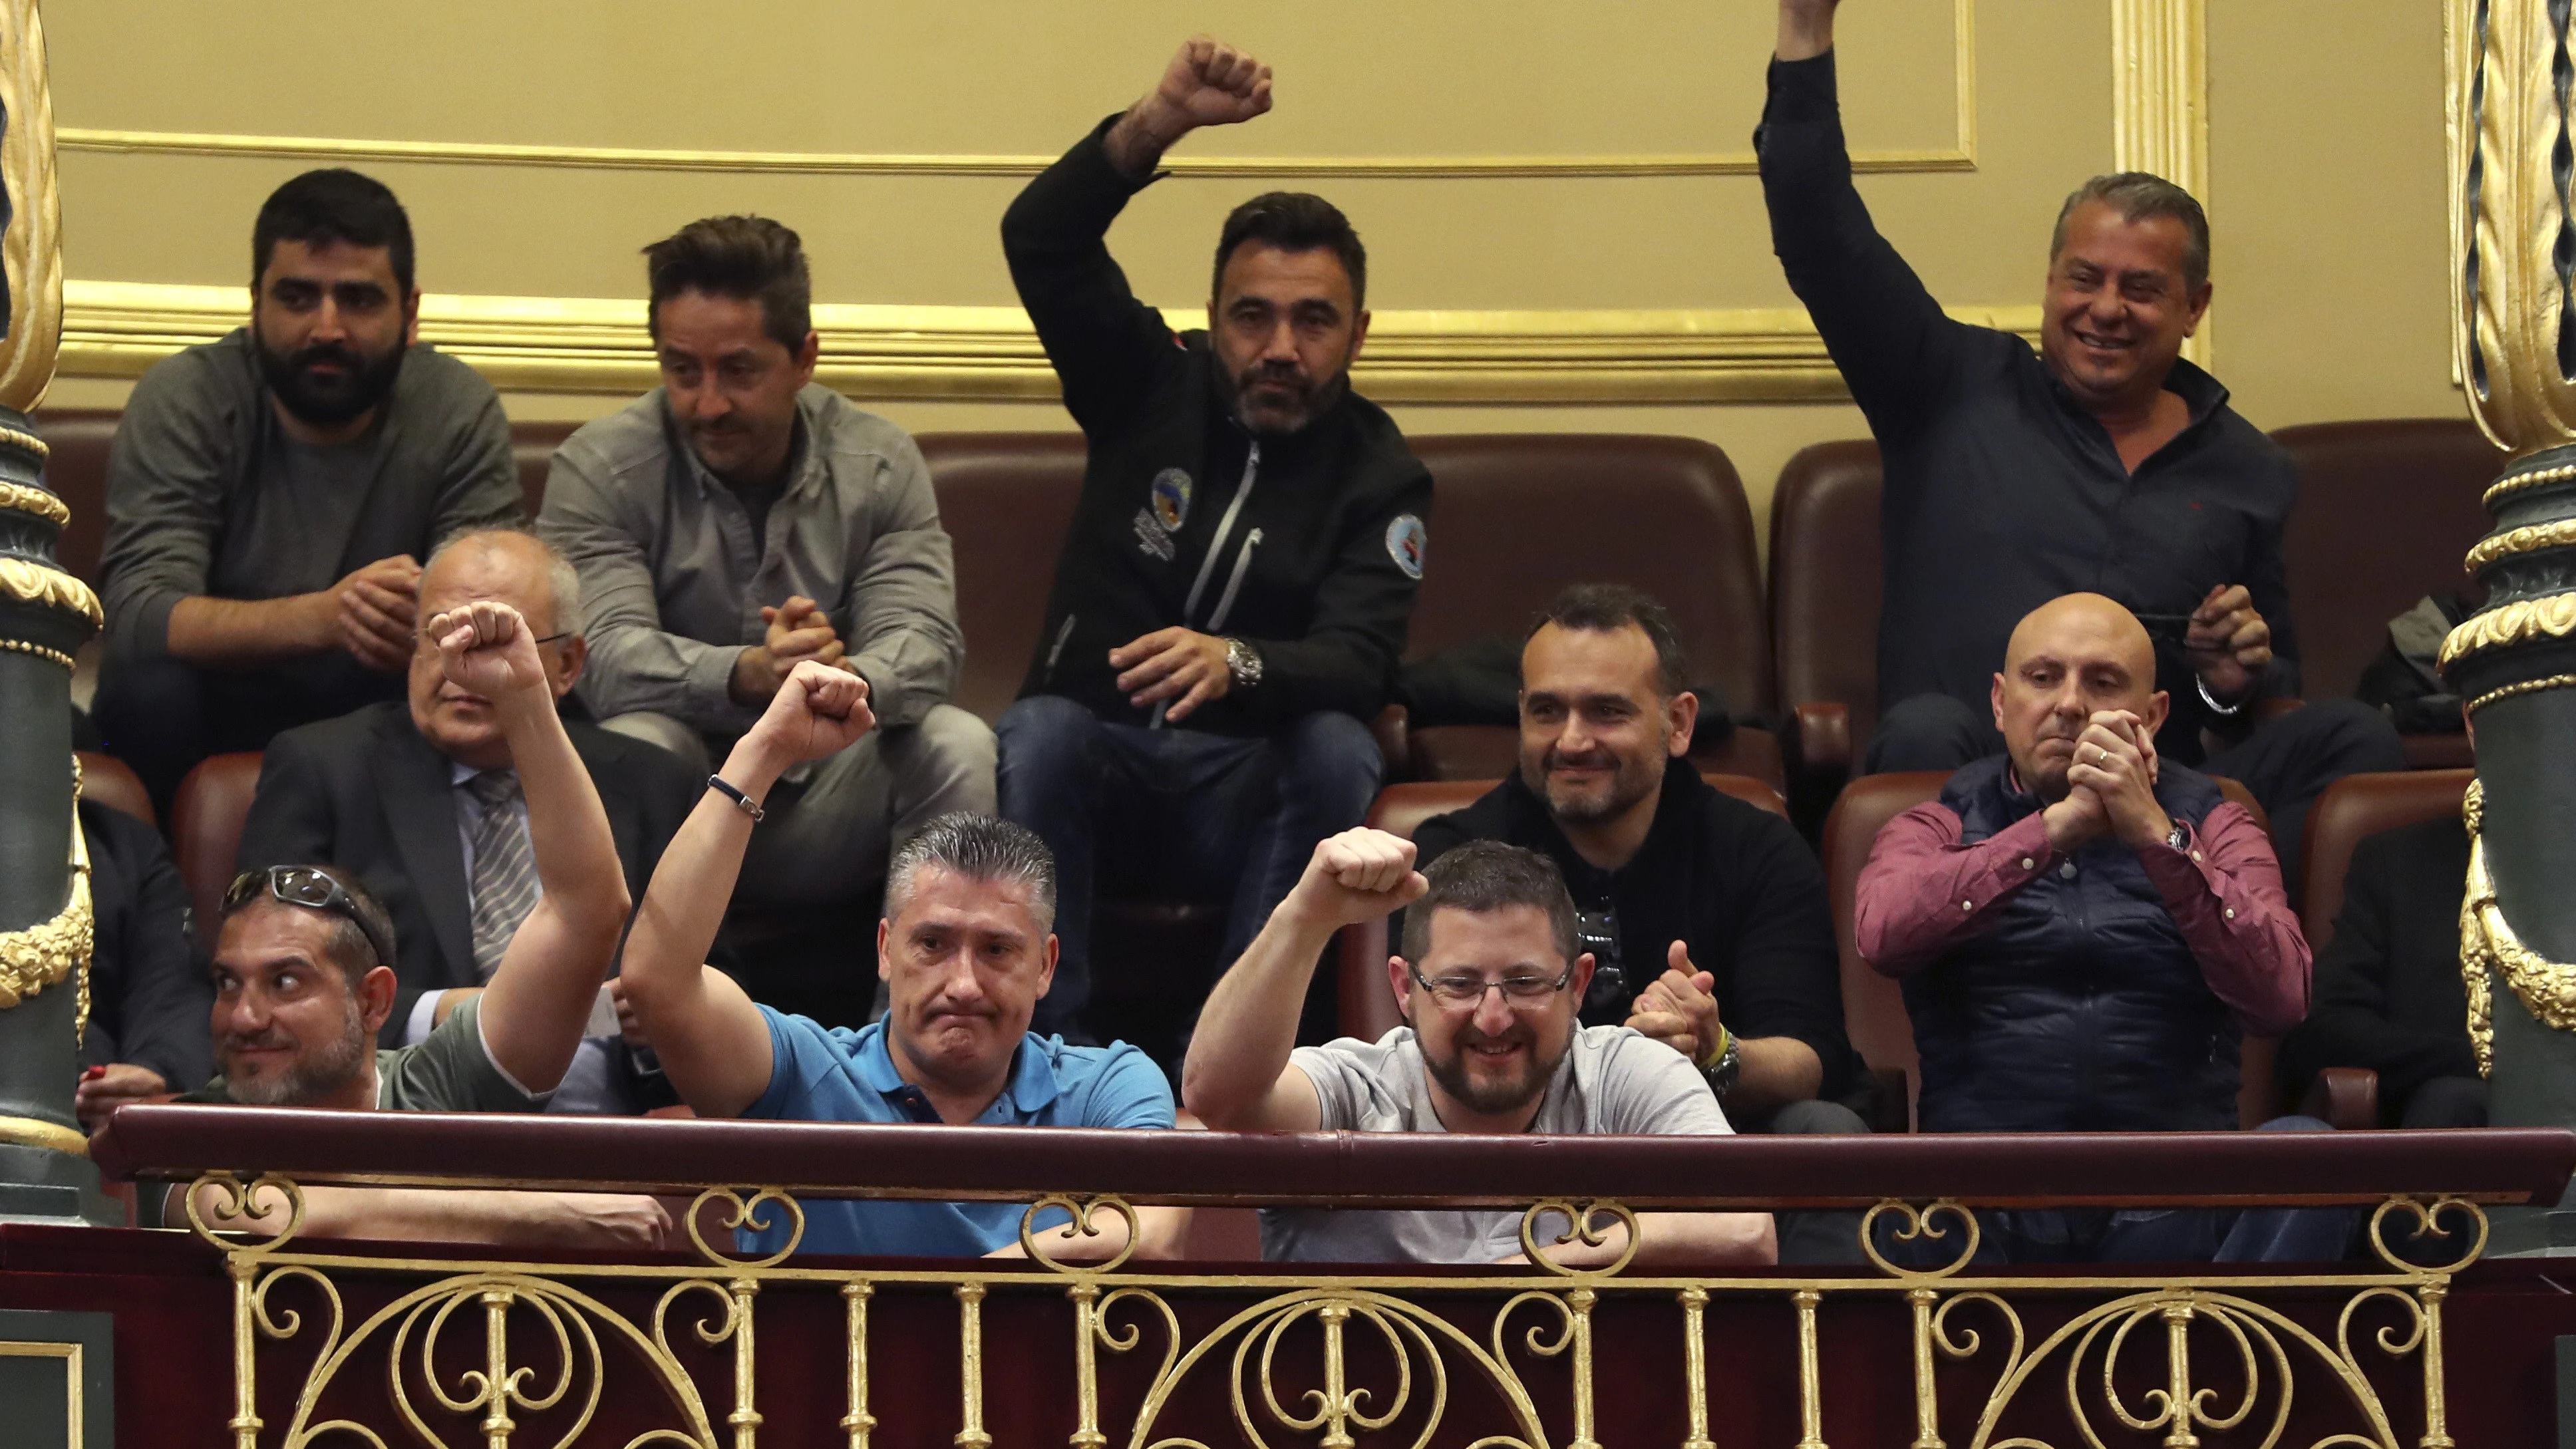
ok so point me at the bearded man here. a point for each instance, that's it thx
(1233, 595)
(270, 495)
(1489, 981)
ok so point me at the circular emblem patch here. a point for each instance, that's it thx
(1172, 498)
(1405, 540)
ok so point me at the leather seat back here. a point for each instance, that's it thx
(2363, 805)
(109, 781)
(1826, 584)
(532, 452)
(206, 820)
(77, 442)
(1006, 500)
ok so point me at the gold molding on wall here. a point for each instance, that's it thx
(1961, 155)
(2160, 102)
(598, 346)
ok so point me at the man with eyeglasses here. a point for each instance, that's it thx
(1490, 981)
(739, 520)
(423, 803)
(304, 982)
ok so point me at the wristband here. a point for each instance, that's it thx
(742, 802)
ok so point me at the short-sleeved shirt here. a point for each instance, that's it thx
(451, 1070)
(835, 1074)
(1612, 1082)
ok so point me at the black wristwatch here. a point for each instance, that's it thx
(2179, 837)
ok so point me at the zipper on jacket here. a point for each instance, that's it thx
(1234, 582)
(1224, 531)
(1056, 650)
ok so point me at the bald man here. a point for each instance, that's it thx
(420, 800)
(2083, 929)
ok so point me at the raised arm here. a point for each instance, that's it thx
(712, 1041)
(540, 997)
(1237, 1075)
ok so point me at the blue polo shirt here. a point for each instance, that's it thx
(840, 1075)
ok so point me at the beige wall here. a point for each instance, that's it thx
(2325, 162)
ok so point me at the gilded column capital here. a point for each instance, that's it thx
(2521, 622)
(19, 498)
(51, 588)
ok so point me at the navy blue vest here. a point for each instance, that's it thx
(2080, 1009)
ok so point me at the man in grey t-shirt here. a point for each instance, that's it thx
(1490, 983)
(270, 495)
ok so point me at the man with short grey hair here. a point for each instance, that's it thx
(965, 950)
(420, 801)
(2107, 463)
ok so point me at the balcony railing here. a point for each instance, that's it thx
(380, 1344)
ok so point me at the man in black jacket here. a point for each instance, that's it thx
(1232, 598)
(2106, 464)
(2388, 992)
(421, 803)
(149, 998)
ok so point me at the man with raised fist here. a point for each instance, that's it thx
(2106, 463)
(1490, 982)
(965, 954)
(1232, 598)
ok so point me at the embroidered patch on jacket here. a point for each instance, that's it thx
(1172, 498)
(1152, 537)
(1406, 538)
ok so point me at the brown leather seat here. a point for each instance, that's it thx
(1520, 516)
(1006, 500)
(1874, 1005)
(206, 820)
(1367, 1007)
(1825, 596)
(532, 452)
(76, 442)
(107, 780)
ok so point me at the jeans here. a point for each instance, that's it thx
(1813, 1238)
(2287, 762)
(1168, 812)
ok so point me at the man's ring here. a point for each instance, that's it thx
(2101, 756)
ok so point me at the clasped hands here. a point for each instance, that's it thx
(799, 631)
(2227, 642)
(2110, 787)
(1679, 1008)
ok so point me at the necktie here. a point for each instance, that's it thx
(505, 868)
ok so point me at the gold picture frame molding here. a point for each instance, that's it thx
(583, 345)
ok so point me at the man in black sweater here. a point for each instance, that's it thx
(2105, 464)
(1232, 597)
(2388, 995)
(1706, 917)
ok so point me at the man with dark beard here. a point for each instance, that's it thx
(1489, 982)
(1690, 899)
(270, 495)
(304, 982)
(1232, 598)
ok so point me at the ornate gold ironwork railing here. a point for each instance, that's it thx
(331, 1343)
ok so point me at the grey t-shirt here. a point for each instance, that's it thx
(1613, 1082)
(206, 495)
(449, 1071)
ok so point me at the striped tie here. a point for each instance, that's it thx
(505, 869)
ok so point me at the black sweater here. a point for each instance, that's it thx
(1732, 881)
(2388, 995)
(2001, 491)
(1318, 566)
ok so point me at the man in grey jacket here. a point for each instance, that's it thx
(740, 519)
(270, 495)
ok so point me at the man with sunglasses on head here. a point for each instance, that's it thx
(271, 494)
(422, 803)
(304, 981)
(1490, 981)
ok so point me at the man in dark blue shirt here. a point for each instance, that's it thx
(2105, 464)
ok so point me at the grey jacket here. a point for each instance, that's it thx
(672, 582)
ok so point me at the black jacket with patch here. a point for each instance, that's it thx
(1308, 547)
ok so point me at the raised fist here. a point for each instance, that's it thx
(485, 648)
(1209, 83)
(1358, 875)
(818, 711)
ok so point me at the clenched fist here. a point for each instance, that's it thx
(818, 711)
(1358, 875)
(1209, 83)
(486, 649)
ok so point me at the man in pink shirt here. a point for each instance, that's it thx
(2083, 930)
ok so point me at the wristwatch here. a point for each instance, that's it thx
(2179, 837)
(1242, 664)
(1722, 1069)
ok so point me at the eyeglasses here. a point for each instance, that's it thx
(314, 890)
(1520, 993)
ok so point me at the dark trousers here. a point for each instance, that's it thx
(1814, 1239)
(1168, 812)
(2447, 1102)
(2287, 762)
(161, 716)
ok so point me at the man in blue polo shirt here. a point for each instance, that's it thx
(965, 950)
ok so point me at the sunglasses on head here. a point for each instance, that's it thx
(302, 885)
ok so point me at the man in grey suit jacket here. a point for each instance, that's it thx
(420, 802)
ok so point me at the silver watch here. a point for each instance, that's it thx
(1242, 664)
(2179, 837)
